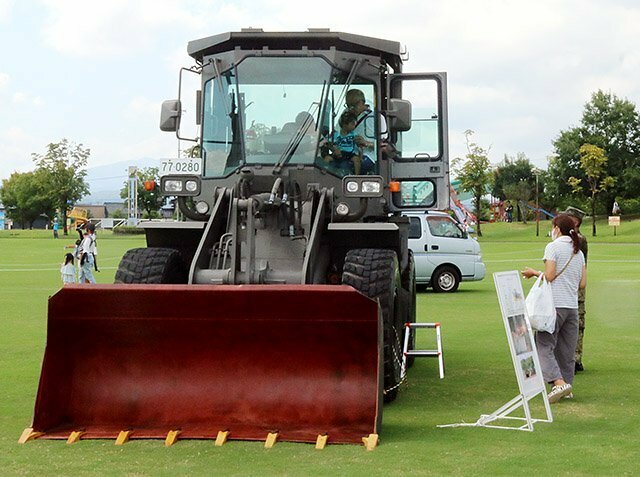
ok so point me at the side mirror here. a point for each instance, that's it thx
(170, 115)
(399, 115)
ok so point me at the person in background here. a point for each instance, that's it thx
(616, 208)
(67, 270)
(87, 255)
(577, 215)
(55, 227)
(509, 212)
(564, 268)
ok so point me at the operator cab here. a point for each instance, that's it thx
(270, 106)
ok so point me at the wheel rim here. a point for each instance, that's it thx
(446, 281)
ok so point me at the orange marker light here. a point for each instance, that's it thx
(149, 185)
(394, 186)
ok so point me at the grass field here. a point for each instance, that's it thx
(597, 433)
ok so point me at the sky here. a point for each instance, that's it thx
(96, 73)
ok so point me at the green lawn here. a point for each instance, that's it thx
(597, 433)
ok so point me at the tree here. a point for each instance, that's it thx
(148, 200)
(474, 173)
(593, 162)
(63, 169)
(514, 180)
(26, 198)
(519, 192)
(612, 124)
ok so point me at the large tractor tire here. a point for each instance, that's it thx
(152, 265)
(410, 288)
(375, 273)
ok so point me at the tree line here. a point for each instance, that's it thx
(57, 183)
(594, 165)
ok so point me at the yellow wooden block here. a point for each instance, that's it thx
(321, 442)
(272, 437)
(29, 434)
(221, 438)
(370, 442)
(123, 437)
(172, 437)
(75, 437)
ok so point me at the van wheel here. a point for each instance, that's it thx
(445, 280)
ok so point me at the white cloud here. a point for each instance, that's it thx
(143, 106)
(22, 98)
(117, 27)
(5, 9)
(4, 80)
(16, 146)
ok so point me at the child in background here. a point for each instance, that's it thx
(67, 270)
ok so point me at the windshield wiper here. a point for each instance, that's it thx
(300, 133)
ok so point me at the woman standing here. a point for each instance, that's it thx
(564, 268)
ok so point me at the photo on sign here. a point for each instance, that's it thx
(520, 335)
(528, 367)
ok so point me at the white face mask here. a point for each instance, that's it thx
(555, 233)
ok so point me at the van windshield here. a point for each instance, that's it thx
(441, 226)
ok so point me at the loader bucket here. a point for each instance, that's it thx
(299, 360)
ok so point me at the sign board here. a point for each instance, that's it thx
(614, 220)
(524, 356)
(519, 333)
(181, 166)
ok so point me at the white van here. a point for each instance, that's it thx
(444, 253)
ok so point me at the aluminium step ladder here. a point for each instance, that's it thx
(436, 353)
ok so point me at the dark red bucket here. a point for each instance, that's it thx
(300, 360)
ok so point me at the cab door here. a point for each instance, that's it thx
(422, 163)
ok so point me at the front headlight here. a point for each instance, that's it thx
(370, 187)
(362, 186)
(173, 185)
(191, 186)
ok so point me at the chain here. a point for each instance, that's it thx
(398, 359)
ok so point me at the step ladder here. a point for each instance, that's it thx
(436, 353)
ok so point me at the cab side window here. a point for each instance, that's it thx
(444, 227)
(415, 228)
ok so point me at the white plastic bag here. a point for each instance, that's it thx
(540, 307)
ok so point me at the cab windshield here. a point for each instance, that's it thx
(275, 111)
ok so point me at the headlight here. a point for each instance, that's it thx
(173, 186)
(362, 186)
(191, 186)
(370, 187)
(352, 186)
(202, 207)
(342, 209)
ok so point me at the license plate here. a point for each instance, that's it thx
(181, 166)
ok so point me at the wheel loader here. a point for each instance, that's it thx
(277, 305)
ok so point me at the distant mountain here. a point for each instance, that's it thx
(106, 181)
